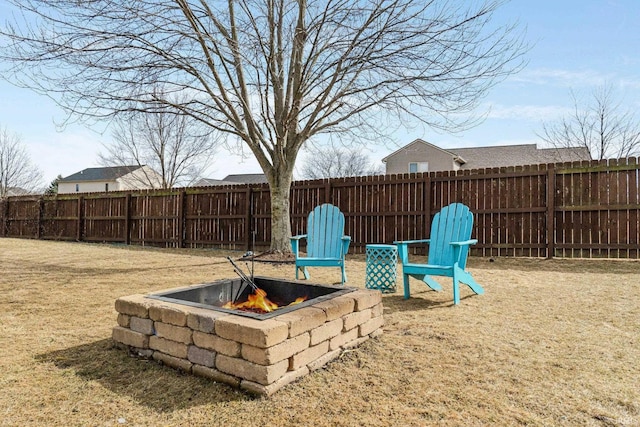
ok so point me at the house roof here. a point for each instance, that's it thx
(504, 155)
(416, 142)
(517, 155)
(205, 182)
(17, 191)
(247, 178)
(100, 174)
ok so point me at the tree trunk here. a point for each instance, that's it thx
(280, 186)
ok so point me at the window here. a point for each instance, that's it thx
(418, 167)
(106, 187)
(77, 188)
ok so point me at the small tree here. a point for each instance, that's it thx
(601, 124)
(16, 170)
(337, 162)
(52, 189)
(175, 146)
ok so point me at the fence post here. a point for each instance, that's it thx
(551, 187)
(40, 218)
(248, 219)
(127, 219)
(426, 195)
(327, 191)
(79, 231)
(182, 217)
(5, 217)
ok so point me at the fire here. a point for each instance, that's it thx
(258, 302)
(298, 300)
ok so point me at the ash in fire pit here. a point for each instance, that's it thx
(286, 295)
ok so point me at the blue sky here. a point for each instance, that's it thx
(576, 45)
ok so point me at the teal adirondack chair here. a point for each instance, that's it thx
(448, 249)
(326, 243)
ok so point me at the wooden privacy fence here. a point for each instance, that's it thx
(584, 209)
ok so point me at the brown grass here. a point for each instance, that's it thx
(551, 343)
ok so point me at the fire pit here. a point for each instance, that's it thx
(189, 329)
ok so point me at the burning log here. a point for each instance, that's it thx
(257, 301)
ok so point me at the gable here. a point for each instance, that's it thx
(417, 146)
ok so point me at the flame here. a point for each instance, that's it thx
(259, 302)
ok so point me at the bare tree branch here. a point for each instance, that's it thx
(175, 147)
(337, 162)
(599, 124)
(16, 170)
(269, 74)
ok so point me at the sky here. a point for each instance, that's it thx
(576, 45)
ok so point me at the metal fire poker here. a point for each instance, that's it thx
(245, 279)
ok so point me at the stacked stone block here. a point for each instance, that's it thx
(259, 356)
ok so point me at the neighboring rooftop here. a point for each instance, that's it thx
(247, 178)
(516, 155)
(481, 157)
(100, 174)
(17, 191)
(206, 182)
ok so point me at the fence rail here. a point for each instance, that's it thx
(582, 209)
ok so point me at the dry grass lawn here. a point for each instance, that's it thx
(551, 343)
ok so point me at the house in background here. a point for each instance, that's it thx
(421, 156)
(117, 178)
(247, 178)
(14, 192)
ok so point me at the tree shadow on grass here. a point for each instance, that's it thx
(158, 387)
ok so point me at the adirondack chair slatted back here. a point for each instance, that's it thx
(325, 228)
(454, 223)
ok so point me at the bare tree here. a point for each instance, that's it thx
(17, 173)
(337, 162)
(269, 74)
(172, 145)
(600, 124)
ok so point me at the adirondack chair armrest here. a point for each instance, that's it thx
(403, 248)
(458, 245)
(295, 244)
(411, 242)
(346, 241)
(465, 243)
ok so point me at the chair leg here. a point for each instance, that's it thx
(430, 282)
(467, 279)
(305, 273)
(405, 281)
(456, 290)
(344, 274)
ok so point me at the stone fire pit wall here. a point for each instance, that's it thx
(259, 356)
